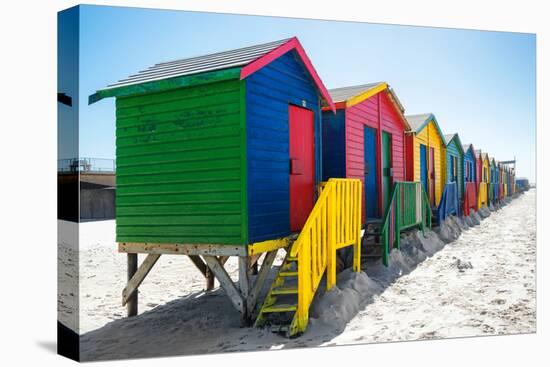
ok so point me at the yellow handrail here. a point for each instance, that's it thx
(482, 195)
(334, 223)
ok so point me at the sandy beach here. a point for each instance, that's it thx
(483, 283)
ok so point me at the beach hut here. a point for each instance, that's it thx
(455, 162)
(483, 178)
(470, 178)
(365, 140)
(494, 179)
(217, 156)
(521, 184)
(511, 182)
(479, 168)
(487, 175)
(426, 155)
(502, 177)
(451, 198)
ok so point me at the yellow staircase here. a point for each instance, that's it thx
(334, 223)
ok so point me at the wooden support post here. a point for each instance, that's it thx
(260, 281)
(132, 308)
(131, 288)
(209, 279)
(226, 283)
(244, 286)
(196, 259)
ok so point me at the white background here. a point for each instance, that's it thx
(28, 225)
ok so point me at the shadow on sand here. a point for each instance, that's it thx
(206, 322)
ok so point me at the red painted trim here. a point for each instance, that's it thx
(404, 121)
(379, 157)
(337, 105)
(405, 153)
(292, 44)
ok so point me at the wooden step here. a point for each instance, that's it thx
(372, 234)
(371, 256)
(288, 273)
(370, 252)
(280, 308)
(285, 290)
(279, 328)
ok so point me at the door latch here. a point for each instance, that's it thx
(296, 167)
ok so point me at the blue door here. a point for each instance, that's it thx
(423, 168)
(371, 194)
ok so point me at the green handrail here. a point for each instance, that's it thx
(408, 207)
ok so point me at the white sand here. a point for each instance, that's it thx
(438, 300)
(434, 300)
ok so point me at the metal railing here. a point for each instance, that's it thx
(409, 206)
(91, 165)
(334, 223)
(470, 198)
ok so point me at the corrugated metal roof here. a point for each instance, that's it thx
(417, 121)
(345, 93)
(200, 64)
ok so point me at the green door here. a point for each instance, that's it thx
(386, 169)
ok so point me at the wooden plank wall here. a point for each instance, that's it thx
(376, 111)
(269, 92)
(455, 150)
(179, 166)
(430, 137)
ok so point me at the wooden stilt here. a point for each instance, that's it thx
(244, 286)
(132, 303)
(209, 279)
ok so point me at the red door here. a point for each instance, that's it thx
(432, 176)
(302, 165)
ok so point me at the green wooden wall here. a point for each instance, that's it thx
(181, 165)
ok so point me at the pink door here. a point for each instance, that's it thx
(302, 165)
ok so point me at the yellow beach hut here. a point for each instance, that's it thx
(426, 155)
(484, 178)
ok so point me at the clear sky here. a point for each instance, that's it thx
(477, 83)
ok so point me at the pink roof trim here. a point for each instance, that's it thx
(292, 44)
